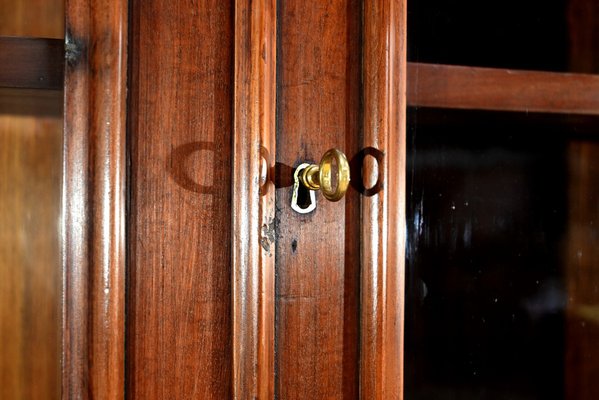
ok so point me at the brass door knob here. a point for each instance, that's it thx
(323, 177)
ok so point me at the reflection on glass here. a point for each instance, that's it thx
(30, 188)
(503, 257)
(554, 35)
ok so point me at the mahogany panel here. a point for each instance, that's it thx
(31, 63)
(253, 199)
(317, 282)
(448, 86)
(383, 222)
(93, 199)
(179, 327)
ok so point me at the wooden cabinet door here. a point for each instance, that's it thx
(228, 292)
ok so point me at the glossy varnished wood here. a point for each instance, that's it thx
(179, 329)
(318, 107)
(383, 215)
(447, 86)
(93, 222)
(253, 199)
(31, 63)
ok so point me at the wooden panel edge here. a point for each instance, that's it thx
(93, 222)
(253, 199)
(383, 215)
(475, 88)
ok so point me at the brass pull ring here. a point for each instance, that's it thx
(321, 176)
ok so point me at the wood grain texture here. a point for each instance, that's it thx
(317, 283)
(253, 199)
(383, 215)
(446, 86)
(31, 63)
(94, 199)
(179, 328)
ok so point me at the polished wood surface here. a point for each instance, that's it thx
(30, 173)
(383, 223)
(447, 86)
(179, 329)
(94, 199)
(253, 199)
(31, 63)
(317, 283)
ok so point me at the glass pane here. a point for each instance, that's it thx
(503, 256)
(30, 190)
(552, 35)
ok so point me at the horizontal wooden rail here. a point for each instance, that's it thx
(456, 87)
(31, 63)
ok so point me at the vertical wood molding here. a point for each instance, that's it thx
(253, 206)
(94, 199)
(383, 215)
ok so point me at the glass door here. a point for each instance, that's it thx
(30, 191)
(503, 206)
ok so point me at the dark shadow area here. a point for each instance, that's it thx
(487, 211)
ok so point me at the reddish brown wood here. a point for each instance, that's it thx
(383, 215)
(94, 199)
(446, 86)
(31, 63)
(179, 326)
(318, 107)
(253, 199)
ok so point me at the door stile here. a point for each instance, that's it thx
(254, 199)
(93, 200)
(383, 214)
